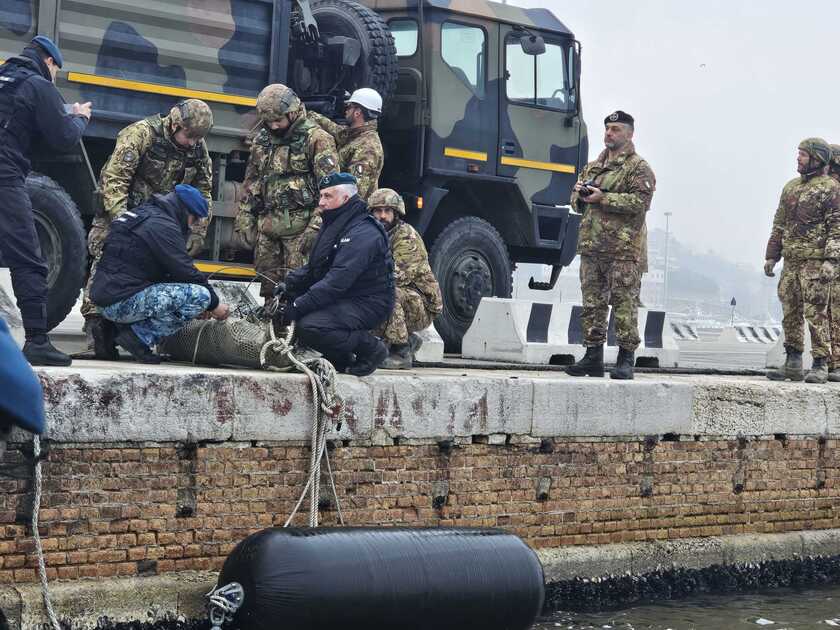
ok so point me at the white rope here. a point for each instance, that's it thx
(39, 550)
(327, 411)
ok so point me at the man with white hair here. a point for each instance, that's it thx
(347, 287)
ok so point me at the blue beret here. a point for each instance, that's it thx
(336, 179)
(22, 403)
(190, 197)
(49, 47)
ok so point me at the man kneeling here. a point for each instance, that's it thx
(146, 282)
(347, 288)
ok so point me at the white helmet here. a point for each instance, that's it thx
(367, 98)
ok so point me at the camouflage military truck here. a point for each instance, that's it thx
(482, 128)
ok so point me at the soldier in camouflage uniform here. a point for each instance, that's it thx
(806, 233)
(418, 298)
(151, 157)
(359, 148)
(613, 193)
(834, 297)
(277, 215)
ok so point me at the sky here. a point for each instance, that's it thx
(722, 93)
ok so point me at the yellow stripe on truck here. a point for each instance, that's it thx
(477, 156)
(542, 166)
(155, 88)
(243, 271)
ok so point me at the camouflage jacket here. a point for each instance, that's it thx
(359, 151)
(146, 161)
(807, 221)
(283, 173)
(615, 227)
(411, 265)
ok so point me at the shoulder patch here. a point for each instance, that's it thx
(129, 157)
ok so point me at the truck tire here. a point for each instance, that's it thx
(470, 261)
(378, 64)
(63, 244)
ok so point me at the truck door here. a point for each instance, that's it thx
(540, 124)
(464, 101)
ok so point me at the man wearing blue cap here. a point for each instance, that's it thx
(31, 113)
(146, 283)
(347, 287)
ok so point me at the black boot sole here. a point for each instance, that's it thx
(138, 352)
(369, 366)
(586, 372)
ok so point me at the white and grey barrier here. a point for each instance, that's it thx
(734, 347)
(776, 354)
(522, 331)
(432, 349)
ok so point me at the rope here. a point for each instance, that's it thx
(39, 550)
(327, 411)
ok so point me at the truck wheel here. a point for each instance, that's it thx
(470, 261)
(63, 244)
(378, 65)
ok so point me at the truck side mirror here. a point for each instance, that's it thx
(532, 45)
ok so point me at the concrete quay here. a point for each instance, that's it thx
(154, 473)
(95, 401)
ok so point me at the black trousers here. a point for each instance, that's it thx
(344, 328)
(21, 253)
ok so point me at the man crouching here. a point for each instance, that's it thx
(347, 287)
(146, 282)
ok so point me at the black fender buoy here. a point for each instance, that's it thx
(367, 579)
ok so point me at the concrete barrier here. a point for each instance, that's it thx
(432, 349)
(521, 331)
(734, 347)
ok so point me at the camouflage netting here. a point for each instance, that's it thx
(236, 342)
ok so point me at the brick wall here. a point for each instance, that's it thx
(138, 510)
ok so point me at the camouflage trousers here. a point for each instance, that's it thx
(604, 282)
(834, 323)
(96, 240)
(275, 257)
(159, 310)
(409, 315)
(804, 294)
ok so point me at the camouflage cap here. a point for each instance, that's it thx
(193, 115)
(387, 198)
(835, 155)
(275, 101)
(818, 149)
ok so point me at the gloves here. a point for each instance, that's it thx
(828, 271)
(290, 311)
(768, 268)
(195, 243)
(280, 289)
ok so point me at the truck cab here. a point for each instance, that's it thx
(482, 125)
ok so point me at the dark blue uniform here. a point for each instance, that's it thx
(347, 288)
(31, 112)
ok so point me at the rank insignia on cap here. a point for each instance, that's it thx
(614, 116)
(619, 116)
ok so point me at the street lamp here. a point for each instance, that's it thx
(667, 240)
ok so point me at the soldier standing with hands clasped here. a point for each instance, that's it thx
(806, 233)
(614, 194)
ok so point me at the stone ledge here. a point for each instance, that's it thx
(95, 402)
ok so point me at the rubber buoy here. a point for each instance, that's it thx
(367, 579)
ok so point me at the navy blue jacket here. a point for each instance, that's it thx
(351, 258)
(22, 402)
(146, 245)
(37, 117)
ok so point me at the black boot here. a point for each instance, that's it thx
(414, 342)
(792, 369)
(818, 372)
(623, 369)
(139, 351)
(103, 332)
(39, 351)
(399, 358)
(592, 363)
(367, 362)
